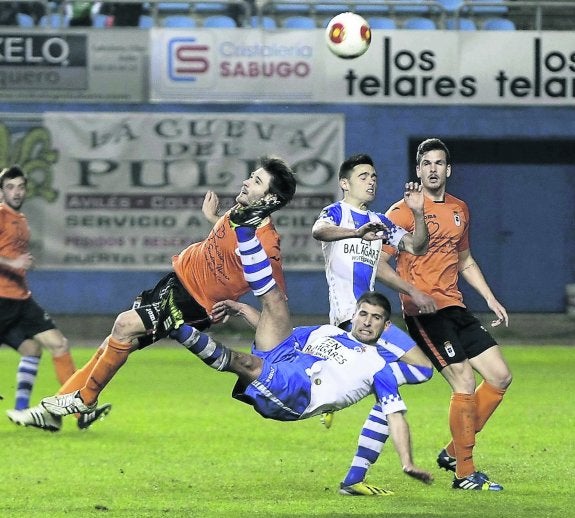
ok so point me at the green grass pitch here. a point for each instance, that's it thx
(177, 445)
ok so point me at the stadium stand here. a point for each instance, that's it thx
(498, 24)
(460, 24)
(270, 14)
(419, 23)
(221, 21)
(179, 20)
(381, 22)
(298, 22)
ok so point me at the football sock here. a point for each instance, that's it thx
(80, 377)
(369, 445)
(64, 367)
(487, 399)
(212, 353)
(257, 267)
(25, 378)
(462, 425)
(114, 356)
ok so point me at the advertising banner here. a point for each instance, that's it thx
(88, 66)
(125, 190)
(400, 67)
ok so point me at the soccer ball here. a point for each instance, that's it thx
(348, 35)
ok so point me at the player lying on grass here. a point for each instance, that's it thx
(203, 273)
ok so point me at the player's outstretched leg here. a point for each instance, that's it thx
(212, 353)
(373, 436)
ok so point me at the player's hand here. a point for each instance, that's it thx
(418, 474)
(23, 261)
(223, 310)
(372, 231)
(211, 206)
(424, 302)
(413, 196)
(499, 311)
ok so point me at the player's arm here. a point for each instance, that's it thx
(323, 230)
(388, 276)
(471, 272)
(211, 207)
(416, 242)
(393, 406)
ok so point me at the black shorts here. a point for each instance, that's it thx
(451, 335)
(21, 319)
(13, 337)
(153, 307)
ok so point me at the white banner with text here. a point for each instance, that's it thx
(125, 190)
(400, 67)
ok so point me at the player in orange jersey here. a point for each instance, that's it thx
(24, 325)
(453, 339)
(204, 273)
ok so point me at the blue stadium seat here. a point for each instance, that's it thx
(498, 24)
(298, 22)
(24, 20)
(330, 9)
(178, 20)
(263, 22)
(412, 7)
(220, 21)
(166, 8)
(54, 21)
(371, 9)
(100, 21)
(491, 7)
(146, 21)
(418, 23)
(211, 8)
(381, 22)
(450, 6)
(460, 24)
(286, 9)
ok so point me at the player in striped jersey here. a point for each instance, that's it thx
(352, 237)
(295, 374)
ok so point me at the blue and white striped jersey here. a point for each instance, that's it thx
(351, 264)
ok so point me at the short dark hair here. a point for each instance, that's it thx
(432, 144)
(352, 161)
(9, 173)
(282, 182)
(375, 299)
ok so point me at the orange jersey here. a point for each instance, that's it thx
(211, 270)
(436, 272)
(14, 241)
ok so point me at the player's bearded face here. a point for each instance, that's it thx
(433, 170)
(255, 187)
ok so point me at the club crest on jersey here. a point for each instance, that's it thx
(456, 219)
(449, 349)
